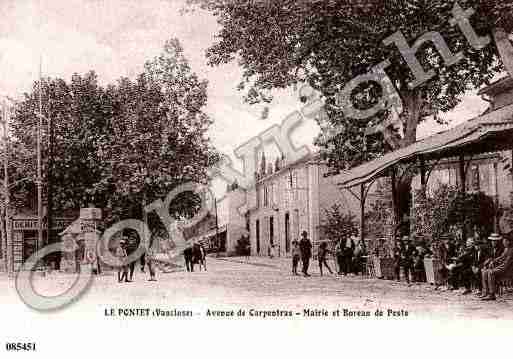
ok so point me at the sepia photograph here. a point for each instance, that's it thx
(256, 178)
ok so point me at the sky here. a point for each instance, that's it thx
(115, 38)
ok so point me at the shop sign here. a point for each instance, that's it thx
(31, 224)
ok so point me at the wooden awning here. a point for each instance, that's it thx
(490, 132)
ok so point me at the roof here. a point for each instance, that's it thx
(499, 86)
(311, 157)
(484, 133)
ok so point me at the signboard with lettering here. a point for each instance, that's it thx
(91, 213)
(87, 225)
(27, 224)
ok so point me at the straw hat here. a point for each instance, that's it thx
(495, 237)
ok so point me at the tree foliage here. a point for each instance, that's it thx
(327, 43)
(124, 144)
(338, 224)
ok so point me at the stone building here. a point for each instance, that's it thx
(292, 199)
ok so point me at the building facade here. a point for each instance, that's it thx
(22, 240)
(490, 173)
(291, 199)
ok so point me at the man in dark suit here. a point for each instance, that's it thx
(461, 271)
(305, 246)
(187, 255)
(496, 247)
(481, 255)
(407, 253)
(131, 247)
(498, 269)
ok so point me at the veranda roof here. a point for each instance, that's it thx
(490, 132)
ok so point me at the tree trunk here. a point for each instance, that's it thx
(401, 185)
(505, 49)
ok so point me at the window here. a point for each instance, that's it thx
(296, 186)
(266, 196)
(257, 229)
(271, 230)
(287, 232)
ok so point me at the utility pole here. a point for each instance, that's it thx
(49, 178)
(217, 229)
(6, 246)
(39, 179)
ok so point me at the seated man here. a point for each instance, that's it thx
(498, 269)
(481, 257)
(461, 271)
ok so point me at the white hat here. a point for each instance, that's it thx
(495, 237)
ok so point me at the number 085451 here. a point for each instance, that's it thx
(20, 347)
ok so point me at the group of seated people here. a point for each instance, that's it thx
(478, 263)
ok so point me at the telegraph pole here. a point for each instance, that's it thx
(39, 179)
(217, 229)
(5, 240)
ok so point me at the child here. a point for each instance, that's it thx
(296, 253)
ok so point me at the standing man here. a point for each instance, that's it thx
(321, 256)
(121, 255)
(339, 253)
(396, 255)
(187, 255)
(348, 254)
(408, 252)
(305, 246)
(131, 248)
(150, 261)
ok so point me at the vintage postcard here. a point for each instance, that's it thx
(256, 177)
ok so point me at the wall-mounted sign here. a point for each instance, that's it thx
(31, 224)
(91, 213)
(87, 225)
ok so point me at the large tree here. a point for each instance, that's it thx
(122, 145)
(330, 42)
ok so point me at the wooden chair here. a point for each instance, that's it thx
(368, 268)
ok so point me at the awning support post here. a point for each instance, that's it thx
(462, 173)
(363, 196)
(423, 175)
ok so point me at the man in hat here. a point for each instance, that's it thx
(187, 256)
(496, 247)
(322, 253)
(132, 244)
(481, 255)
(296, 255)
(305, 246)
(407, 253)
(461, 271)
(121, 255)
(498, 268)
